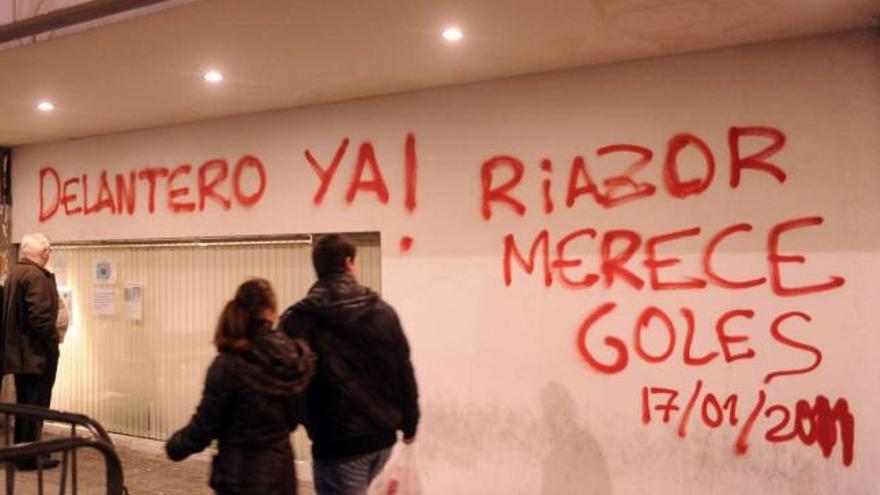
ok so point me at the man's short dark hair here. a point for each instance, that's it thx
(329, 254)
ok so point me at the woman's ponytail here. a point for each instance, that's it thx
(242, 314)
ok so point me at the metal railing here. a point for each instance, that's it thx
(67, 446)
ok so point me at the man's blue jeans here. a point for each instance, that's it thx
(350, 476)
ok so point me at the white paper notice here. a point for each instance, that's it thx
(104, 301)
(133, 294)
(59, 267)
(66, 293)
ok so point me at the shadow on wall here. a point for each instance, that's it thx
(575, 464)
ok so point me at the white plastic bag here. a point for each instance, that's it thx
(400, 475)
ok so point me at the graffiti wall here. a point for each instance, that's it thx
(657, 276)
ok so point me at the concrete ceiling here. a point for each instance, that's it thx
(147, 71)
(20, 10)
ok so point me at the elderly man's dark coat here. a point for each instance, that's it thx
(30, 309)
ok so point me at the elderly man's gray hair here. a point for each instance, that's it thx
(33, 246)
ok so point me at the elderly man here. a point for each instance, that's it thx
(29, 337)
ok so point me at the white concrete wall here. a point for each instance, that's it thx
(511, 405)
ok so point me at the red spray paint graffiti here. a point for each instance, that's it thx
(731, 347)
(71, 196)
(502, 177)
(818, 423)
(615, 263)
(367, 178)
(587, 259)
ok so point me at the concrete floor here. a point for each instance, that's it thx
(146, 470)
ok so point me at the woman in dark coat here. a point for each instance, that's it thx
(251, 400)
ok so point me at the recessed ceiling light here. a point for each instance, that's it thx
(212, 76)
(45, 106)
(452, 34)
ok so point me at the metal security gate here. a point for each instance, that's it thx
(143, 318)
(82, 433)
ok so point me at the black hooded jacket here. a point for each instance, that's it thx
(251, 402)
(364, 389)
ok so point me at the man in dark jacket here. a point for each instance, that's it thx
(29, 337)
(364, 389)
